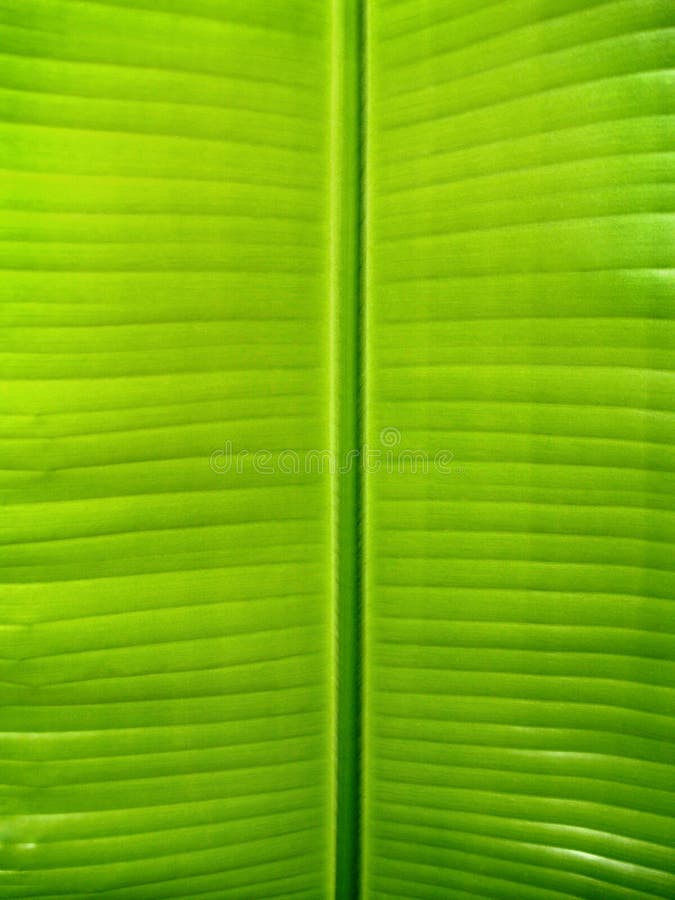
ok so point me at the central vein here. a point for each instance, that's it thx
(347, 143)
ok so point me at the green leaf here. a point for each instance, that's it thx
(167, 670)
(241, 240)
(520, 626)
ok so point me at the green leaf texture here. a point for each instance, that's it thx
(520, 623)
(439, 229)
(167, 630)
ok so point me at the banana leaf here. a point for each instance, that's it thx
(336, 419)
